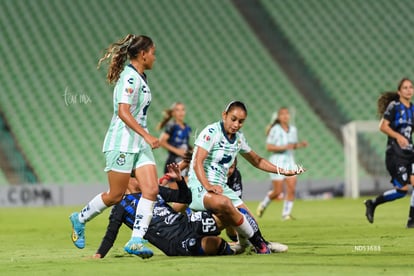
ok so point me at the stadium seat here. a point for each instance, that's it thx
(206, 56)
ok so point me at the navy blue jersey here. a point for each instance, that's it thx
(401, 120)
(124, 212)
(234, 181)
(170, 231)
(178, 137)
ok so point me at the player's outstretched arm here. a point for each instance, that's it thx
(265, 165)
(115, 222)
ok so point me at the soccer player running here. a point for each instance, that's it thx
(128, 144)
(215, 150)
(397, 123)
(282, 141)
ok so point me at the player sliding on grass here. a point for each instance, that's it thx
(170, 231)
(215, 150)
(397, 123)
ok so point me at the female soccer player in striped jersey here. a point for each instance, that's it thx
(128, 144)
(282, 140)
(397, 123)
(215, 150)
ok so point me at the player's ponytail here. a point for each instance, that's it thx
(167, 115)
(275, 120)
(384, 100)
(118, 52)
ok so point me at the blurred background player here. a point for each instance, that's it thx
(128, 144)
(397, 123)
(215, 150)
(175, 137)
(282, 141)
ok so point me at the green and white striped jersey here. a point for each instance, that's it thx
(132, 89)
(221, 152)
(279, 137)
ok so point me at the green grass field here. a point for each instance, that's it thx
(328, 237)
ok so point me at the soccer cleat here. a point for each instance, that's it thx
(262, 248)
(288, 217)
(78, 231)
(410, 223)
(370, 209)
(276, 247)
(136, 246)
(260, 210)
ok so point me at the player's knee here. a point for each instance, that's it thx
(112, 198)
(223, 205)
(150, 192)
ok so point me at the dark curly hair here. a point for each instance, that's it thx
(387, 97)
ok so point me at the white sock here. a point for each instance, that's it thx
(143, 217)
(245, 229)
(266, 201)
(92, 209)
(287, 208)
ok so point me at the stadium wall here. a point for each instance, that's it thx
(56, 195)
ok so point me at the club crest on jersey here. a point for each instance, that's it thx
(206, 137)
(121, 160)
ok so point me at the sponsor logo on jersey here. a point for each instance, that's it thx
(145, 89)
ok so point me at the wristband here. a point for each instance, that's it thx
(164, 177)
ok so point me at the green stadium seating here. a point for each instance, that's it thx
(357, 49)
(206, 56)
